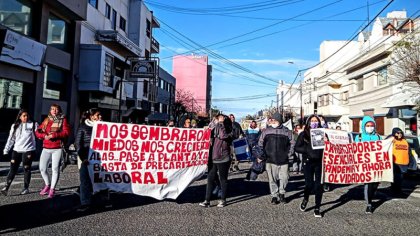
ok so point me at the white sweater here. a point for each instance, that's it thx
(23, 140)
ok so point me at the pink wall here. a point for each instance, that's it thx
(191, 75)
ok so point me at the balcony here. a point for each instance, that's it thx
(155, 46)
(118, 43)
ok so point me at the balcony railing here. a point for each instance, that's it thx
(155, 45)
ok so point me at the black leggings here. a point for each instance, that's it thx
(312, 171)
(223, 169)
(18, 157)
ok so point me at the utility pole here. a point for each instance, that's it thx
(301, 101)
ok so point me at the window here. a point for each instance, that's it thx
(54, 83)
(94, 3)
(17, 15)
(360, 84)
(109, 64)
(114, 20)
(145, 88)
(345, 97)
(146, 54)
(11, 93)
(382, 76)
(57, 32)
(321, 100)
(122, 23)
(148, 29)
(108, 11)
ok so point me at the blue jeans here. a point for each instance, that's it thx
(85, 185)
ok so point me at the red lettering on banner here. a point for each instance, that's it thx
(123, 131)
(102, 131)
(366, 146)
(154, 133)
(98, 144)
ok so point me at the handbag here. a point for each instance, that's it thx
(258, 167)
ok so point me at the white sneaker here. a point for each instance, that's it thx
(221, 203)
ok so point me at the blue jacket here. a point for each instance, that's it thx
(363, 137)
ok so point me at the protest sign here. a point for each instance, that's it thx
(154, 161)
(337, 136)
(356, 163)
(317, 138)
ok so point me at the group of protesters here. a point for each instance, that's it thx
(278, 145)
(271, 148)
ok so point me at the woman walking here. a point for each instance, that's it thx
(22, 139)
(220, 160)
(53, 131)
(84, 134)
(312, 164)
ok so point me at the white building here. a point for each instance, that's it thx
(356, 81)
(115, 32)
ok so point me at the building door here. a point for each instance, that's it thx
(380, 125)
(356, 125)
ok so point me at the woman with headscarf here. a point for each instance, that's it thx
(368, 134)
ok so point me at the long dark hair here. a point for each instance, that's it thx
(88, 113)
(18, 121)
(307, 130)
(227, 123)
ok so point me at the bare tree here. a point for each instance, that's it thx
(186, 98)
(405, 61)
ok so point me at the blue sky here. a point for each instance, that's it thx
(260, 36)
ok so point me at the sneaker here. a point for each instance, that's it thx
(274, 201)
(4, 191)
(317, 213)
(204, 204)
(83, 208)
(51, 193)
(222, 203)
(216, 190)
(236, 168)
(45, 190)
(282, 199)
(24, 191)
(369, 209)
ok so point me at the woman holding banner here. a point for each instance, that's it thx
(368, 134)
(312, 164)
(220, 159)
(82, 143)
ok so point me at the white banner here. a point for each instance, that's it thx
(159, 162)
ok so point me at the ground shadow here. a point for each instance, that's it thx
(21, 216)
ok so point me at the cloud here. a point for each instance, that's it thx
(172, 50)
(287, 62)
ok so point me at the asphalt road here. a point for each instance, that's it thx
(248, 212)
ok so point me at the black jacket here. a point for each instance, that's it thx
(82, 143)
(221, 143)
(304, 147)
(277, 144)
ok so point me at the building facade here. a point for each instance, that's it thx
(358, 80)
(115, 34)
(288, 101)
(40, 58)
(194, 74)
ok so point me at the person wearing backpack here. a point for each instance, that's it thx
(368, 134)
(277, 144)
(52, 131)
(220, 160)
(22, 139)
(312, 164)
